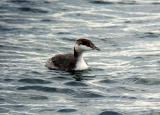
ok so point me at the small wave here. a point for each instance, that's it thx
(156, 3)
(110, 113)
(61, 78)
(6, 28)
(108, 81)
(38, 97)
(34, 81)
(47, 89)
(145, 81)
(75, 83)
(46, 110)
(123, 97)
(112, 2)
(101, 2)
(67, 110)
(63, 33)
(88, 94)
(21, 1)
(8, 80)
(18, 107)
(139, 58)
(33, 10)
(150, 35)
(3, 110)
(2, 100)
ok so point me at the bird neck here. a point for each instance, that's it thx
(80, 62)
(77, 54)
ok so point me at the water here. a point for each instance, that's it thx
(123, 78)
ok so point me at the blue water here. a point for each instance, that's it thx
(123, 79)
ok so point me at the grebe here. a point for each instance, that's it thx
(75, 61)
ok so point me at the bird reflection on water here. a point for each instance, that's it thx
(78, 75)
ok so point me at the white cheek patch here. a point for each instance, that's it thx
(84, 48)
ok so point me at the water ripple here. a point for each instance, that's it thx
(46, 89)
(67, 110)
(123, 77)
(34, 81)
(110, 2)
(110, 113)
(33, 10)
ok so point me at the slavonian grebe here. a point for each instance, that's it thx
(75, 61)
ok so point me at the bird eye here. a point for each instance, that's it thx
(81, 43)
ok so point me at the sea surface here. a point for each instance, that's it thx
(123, 79)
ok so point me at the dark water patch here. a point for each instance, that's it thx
(144, 81)
(46, 20)
(123, 97)
(8, 80)
(6, 8)
(47, 110)
(149, 112)
(104, 39)
(68, 39)
(158, 62)
(67, 110)
(121, 88)
(36, 72)
(85, 77)
(12, 57)
(148, 81)
(2, 100)
(38, 88)
(7, 100)
(124, 88)
(6, 28)
(88, 94)
(50, 20)
(103, 2)
(33, 10)
(34, 81)
(61, 78)
(63, 33)
(127, 22)
(16, 20)
(24, 2)
(19, 107)
(82, 75)
(150, 35)
(12, 48)
(47, 89)
(128, 3)
(107, 81)
(47, 2)
(38, 97)
(21, 1)
(139, 58)
(75, 83)
(110, 113)
(29, 72)
(15, 107)
(156, 3)
(78, 78)
(3, 110)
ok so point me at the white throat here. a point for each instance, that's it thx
(81, 64)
